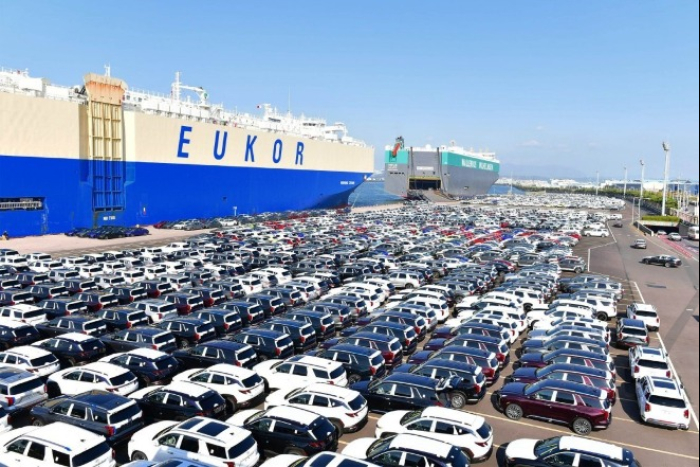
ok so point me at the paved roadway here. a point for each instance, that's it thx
(673, 291)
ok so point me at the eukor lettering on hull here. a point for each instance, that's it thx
(220, 145)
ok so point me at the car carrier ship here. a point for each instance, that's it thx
(447, 170)
(103, 154)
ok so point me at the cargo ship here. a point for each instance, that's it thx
(101, 153)
(451, 170)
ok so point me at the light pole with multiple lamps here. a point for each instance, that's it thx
(641, 184)
(667, 151)
(597, 182)
(624, 187)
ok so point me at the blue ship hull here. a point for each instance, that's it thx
(161, 191)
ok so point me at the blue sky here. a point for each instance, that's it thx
(593, 86)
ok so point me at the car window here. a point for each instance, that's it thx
(544, 395)
(284, 368)
(174, 399)
(202, 377)
(61, 458)
(18, 446)
(36, 451)
(189, 444)
(564, 459)
(157, 397)
(420, 425)
(169, 440)
(588, 461)
(402, 391)
(565, 398)
(389, 458)
(78, 412)
(300, 370)
(216, 451)
(321, 401)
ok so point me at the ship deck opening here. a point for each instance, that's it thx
(424, 184)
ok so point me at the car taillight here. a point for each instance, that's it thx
(302, 339)
(611, 393)
(111, 389)
(99, 307)
(352, 415)
(154, 347)
(238, 363)
(197, 336)
(501, 357)
(647, 407)
(278, 351)
(373, 370)
(482, 444)
(408, 342)
(156, 294)
(110, 430)
(131, 298)
(417, 329)
(477, 388)
(80, 290)
(226, 326)
(668, 373)
(129, 324)
(686, 413)
(10, 401)
(646, 339)
(51, 296)
(250, 317)
(230, 464)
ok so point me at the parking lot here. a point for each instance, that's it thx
(673, 291)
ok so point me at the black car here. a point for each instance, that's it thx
(403, 391)
(62, 306)
(563, 450)
(179, 401)
(150, 366)
(268, 344)
(558, 342)
(271, 304)
(405, 334)
(217, 351)
(289, 297)
(361, 363)
(43, 291)
(342, 314)
(29, 278)
(322, 322)
(250, 313)
(472, 383)
(74, 349)
(83, 324)
(387, 451)
(282, 430)
(140, 337)
(10, 297)
(154, 288)
(110, 415)
(301, 332)
(185, 303)
(123, 318)
(13, 334)
(485, 359)
(230, 290)
(78, 285)
(417, 322)
(663, 260)
(128, 293)
(188, 331)
(225, 322)
(389, 346)
(97, 299)
(211, 296)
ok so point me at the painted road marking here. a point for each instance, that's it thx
(567, 432)
(673, 368)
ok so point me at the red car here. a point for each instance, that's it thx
(583, 408)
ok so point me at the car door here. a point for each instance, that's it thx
(262, 430)
(172, 408)
(70, 382)
(402, 398)
(190, 449)
(564, 406)
(152, 405)
(26, 453)
(379, 398)
(300, 374)
(539, 404)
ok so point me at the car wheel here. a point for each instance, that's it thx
(602, 317)
(644, 261)
(295, 452)
(37, 422)
(138, 456)
(514, 412)
(582, 427)
(70, 362)
(339, 427)
(457, 400)
(231, 404)
(53, 390)
(352, 379)
(184, 344)
(578, 270)
(144, 381)
(667, 265)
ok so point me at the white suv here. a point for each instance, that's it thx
(300, 371)
(648, 361)
(57, 444)
(346, 409)
(239, 386)
(199, 439)
(662, 403)
(39, 361)
(646, 313)
(468, 432)
(97, 375)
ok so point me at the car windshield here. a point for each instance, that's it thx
(338, 372)
(246, 354)
(546, 446)
(123, 378)
(241, 448)
(165, 363)
(125, 413)
(23, 387)
(409, 417)
(91, 454)
(251, 381)
(357, 403)
(379, 446)
(670, 402)
(93, 325)
(635, 331)
(45, 360)
(653, 364)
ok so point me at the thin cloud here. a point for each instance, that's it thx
(532, 143)
(539, 127)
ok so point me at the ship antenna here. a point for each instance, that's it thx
(289, 100)
(108, 70)
(176, 87)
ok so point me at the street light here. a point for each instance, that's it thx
(597, 182)
(667, 151)
(624, 189)
(641, 185)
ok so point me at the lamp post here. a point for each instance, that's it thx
(641, 184)
(597, 182)
(667, 151)
(624, 187)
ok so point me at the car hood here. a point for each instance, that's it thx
(525, 373)
(435, 344)
(265, 367)
(392, 421)
(239, 418)
(521, 449)
(513, 388)
(403, 368)
(532, 358)
(146, 434)
(420, 357)
(362, 387)
(358, 448)
(278, 397)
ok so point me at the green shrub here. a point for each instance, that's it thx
(661, 218)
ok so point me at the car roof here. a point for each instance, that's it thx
(331, 390)
(13, 324)
(632, 323)
(103, 399)
(408, 378)
(570, 386)
(11, 374)
(199, 425)
(232, 370)
(373, 336)
(415, 442)
(573, 443)
(186, 388)
(64, 437)
(28, 351)
(666, 387)
(144, 352)
(314, 361)
(107, 369)
(651, 353)
(356, 349)
(452, 415)
(146, 330)
(224, 344)
(75, 336)
(644, 306)
(293, 414)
